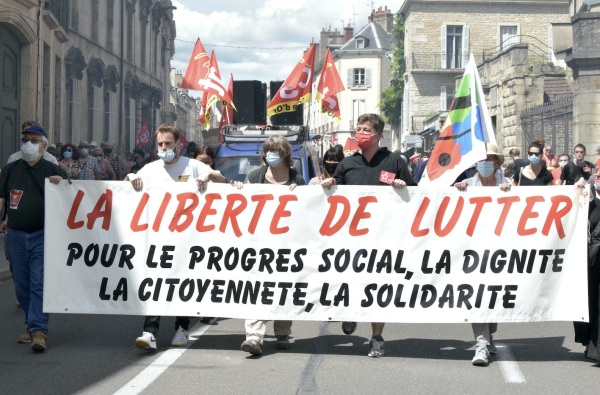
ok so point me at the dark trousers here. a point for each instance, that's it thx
(152, 323)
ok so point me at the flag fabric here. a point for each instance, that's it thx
(143, 136)
(182, 144)
(227, 114)
(467, 130)
(214, 86)
(297, 88)
(330, 84)
(198, 68)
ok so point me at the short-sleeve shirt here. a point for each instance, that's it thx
(25, 206)
(184, 170)
(355, 170)
(259, 176)
(572, 173)
(89, 168)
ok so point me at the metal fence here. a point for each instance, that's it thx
(552, 122)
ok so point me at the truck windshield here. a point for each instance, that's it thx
(235, 168)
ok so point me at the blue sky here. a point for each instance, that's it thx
(262, 39)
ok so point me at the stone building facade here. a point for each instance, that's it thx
(440, 35)
(98, 70)
(185, 108)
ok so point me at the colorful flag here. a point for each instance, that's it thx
(213, 85)
(467, 130)
(297, 88)
(143, 136)
(330, 84)
(181, 144)
(198, 68)
(227, 114)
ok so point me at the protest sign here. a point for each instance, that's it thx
(352, 253)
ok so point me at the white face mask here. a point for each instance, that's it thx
(167, 156)
(562, 163)
(31, 152)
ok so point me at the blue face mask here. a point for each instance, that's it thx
(166, 156)
(534, 159)
(485, 168)
(67, 154)
(597, 187)
(273, 159)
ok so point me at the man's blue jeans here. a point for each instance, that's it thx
(26, 255)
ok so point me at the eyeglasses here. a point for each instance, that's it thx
(534, 153)
(33, 140)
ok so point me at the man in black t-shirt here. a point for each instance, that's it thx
(370, 166)
(578, 168)
(22, 184)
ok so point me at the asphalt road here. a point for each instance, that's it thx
(95, 354)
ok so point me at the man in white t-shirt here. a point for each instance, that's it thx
(171, 168)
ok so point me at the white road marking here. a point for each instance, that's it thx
(162, 363)
(508, 365)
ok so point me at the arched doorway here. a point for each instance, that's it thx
(10, 66)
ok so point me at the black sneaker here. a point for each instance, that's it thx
(349, 327)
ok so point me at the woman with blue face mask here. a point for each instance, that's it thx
(69, 161)
(534, 173)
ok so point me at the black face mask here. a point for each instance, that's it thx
(330, 167)
(107, 150)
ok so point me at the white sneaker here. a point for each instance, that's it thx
(481, 356)
(146, 342)
(181, 338)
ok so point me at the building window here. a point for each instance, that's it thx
(74, 110)
(358, 108)
(446, 97)
(360, 43)
(110, 15)
(455, 46)
(95, 113)
(359, 77)
(508, 36)
(95, 12)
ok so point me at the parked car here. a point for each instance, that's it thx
(239, 153)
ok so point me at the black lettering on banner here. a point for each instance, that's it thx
(150, 259)
(516, 259)
(91, 255)
(214, 256)
(467, 268)
(342, 295)
(484, 260)
(75, 251)
(479, 297)
(236, 256)
(545, 254)
(557, 261)
(266, 257)
(156, 293)
(266, 293)
(197, 255)
(216, 292)
(299, 294)
(359, 267)
(326, 265)
(428, 289)
(172, 282)
(250, 292)
(447, 297)
(398, 264)
(413, 296)
(368, 293)
(299, 263)
(144, 296)
(284, 290)
(443, 263)
(233, 290)
(103, 295)
(248, 259)
(509, 297)
(127, 254)
(497, 266)
(385, 262)
(190, 285)
(372, 261)
(282, 260)
(105, 260)
(202, 288)
(531, 261)
(397, 301)
(495, 289)
(388, 290)
(424, 268)
(323, 299)
(465, 291)
(166, 258)
(345, 254)
(121, 290)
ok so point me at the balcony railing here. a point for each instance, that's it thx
(433, 61)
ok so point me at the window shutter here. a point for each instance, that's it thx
(443, 38)
(443, 98)
(350, 78)
(368, 78)
(465, 46)
(550, 45)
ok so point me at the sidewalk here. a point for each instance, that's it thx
(4, 266)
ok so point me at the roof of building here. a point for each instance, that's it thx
(556, 87)
(376, 38)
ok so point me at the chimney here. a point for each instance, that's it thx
(348, 33)
(385, 18)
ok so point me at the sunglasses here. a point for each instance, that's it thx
(33, 140)
(534, 153)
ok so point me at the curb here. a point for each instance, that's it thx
(5, 275)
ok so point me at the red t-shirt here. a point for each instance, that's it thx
(556, 174)
(551, 161)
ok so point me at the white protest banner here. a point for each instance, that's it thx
(352, 253)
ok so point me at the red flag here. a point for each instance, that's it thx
(198, 68)
(330, 84)
(143, 136)
(227, 115)
(181, 144)
(214, 86)
(297, 88)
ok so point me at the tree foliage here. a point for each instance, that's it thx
(391, 98)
